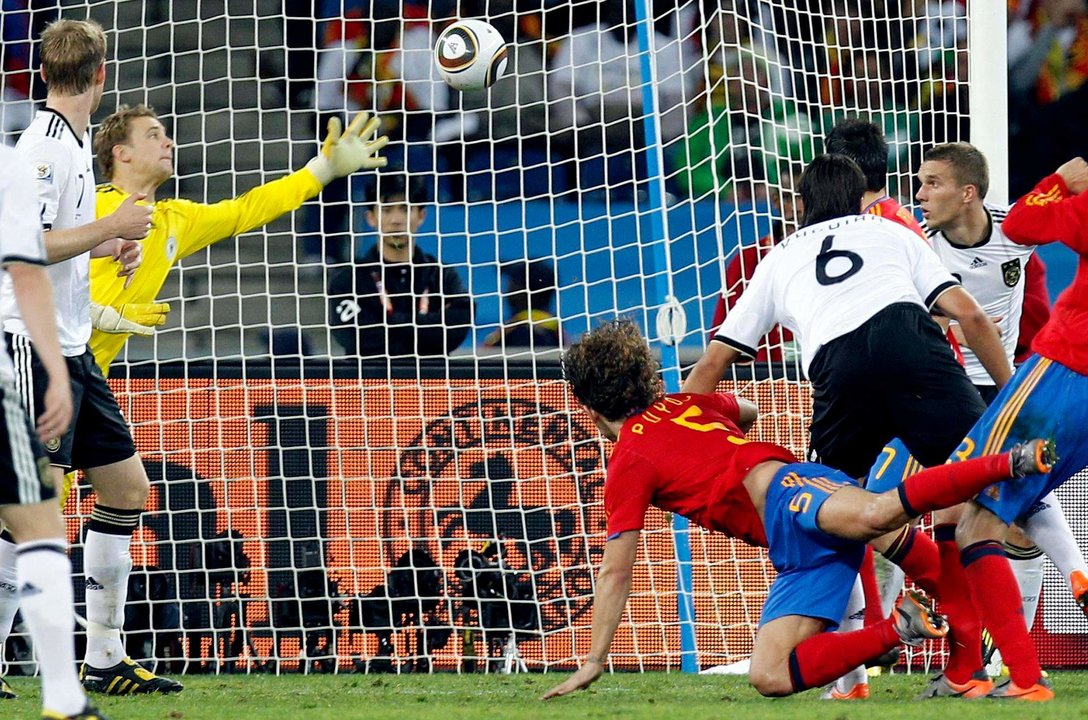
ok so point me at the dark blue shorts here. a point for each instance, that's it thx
(892, 466)
(1043, 399)
(816, 570)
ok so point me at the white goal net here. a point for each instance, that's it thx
(330, 494)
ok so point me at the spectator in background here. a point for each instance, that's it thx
(398, 300)
(1048, 67)
(505, 127)
(530, 289)
(748, 124)
(16, 107)
(778, 343)
(595, 92)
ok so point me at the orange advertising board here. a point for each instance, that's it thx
(321, 486)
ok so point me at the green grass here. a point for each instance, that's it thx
(627, 696)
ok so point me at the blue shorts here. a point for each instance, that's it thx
(892, 467)
(1044, 399)
(816, 570)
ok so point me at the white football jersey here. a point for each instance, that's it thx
(64, 169)
(993, 272)
(20, 228)
(828, 279)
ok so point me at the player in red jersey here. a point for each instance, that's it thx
(743, 264)
(686, 453)
(1048, 394)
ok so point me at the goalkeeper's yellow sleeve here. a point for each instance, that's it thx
(66, 488)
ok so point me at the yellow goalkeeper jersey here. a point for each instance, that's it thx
(179, 228)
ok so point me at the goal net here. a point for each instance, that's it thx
(406, 493)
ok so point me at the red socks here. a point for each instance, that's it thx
(916, 553)
(828, 656)
(964, 627)
(997, 600)
(943, 486)
(874, 613)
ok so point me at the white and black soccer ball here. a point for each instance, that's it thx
(470, 55)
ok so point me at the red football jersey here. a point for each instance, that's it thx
(1050, 214)
(889, 209)
(685, 454)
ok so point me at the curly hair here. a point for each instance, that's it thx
(612, 371)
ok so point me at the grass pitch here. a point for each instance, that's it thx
(627, 696)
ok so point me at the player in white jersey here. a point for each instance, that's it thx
(966, 233)
(857, 291)
(36, 566)
(99, 440)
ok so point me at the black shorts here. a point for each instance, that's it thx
(895, 376)
(988, 393)
(98, 434)
(25, 477)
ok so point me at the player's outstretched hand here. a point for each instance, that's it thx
(136, 318)
(1075, 174)
(354, 149)
(580, 680)
(132, 220)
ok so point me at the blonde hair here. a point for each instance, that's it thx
(72, 51)
(114, 131)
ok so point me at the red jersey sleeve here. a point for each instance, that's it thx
(628, 490)
(1049, 214)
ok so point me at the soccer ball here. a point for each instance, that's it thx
(470, 55)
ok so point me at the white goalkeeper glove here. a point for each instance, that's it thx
(343, 154)
(135, 318)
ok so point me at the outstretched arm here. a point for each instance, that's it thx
(342, 153)
(609, 601)
(710, 369)
(1056, 210)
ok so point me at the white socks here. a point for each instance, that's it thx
(1048, 528)
(107, 564)
(1027, 565)
(45, 591)
(9, 589)
(853, 619)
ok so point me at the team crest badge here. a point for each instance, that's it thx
(1010, 272)
(52, 445)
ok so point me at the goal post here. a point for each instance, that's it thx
(315, 510)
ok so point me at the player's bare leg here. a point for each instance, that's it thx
(793, 653)
(121, 491)
(857, 514)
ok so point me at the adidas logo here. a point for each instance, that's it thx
(859, 615)
(93, 584)
(29, 590)
(977, 263)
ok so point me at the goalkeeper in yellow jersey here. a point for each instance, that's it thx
(136, 155)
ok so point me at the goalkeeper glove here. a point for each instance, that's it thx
(343, 154)
(136, 318)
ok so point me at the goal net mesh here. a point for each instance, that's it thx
(318, 508)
